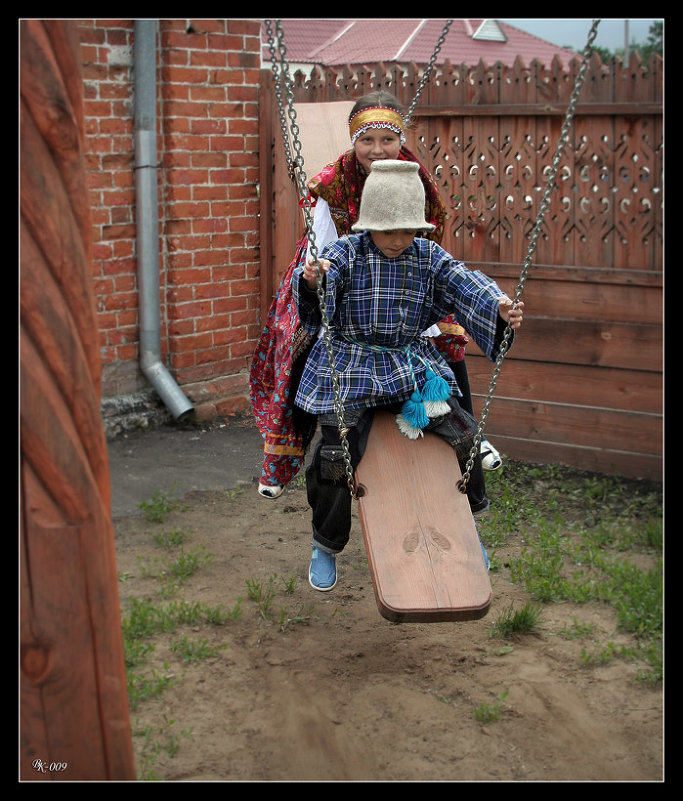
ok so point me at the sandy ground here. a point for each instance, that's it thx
(319, 687)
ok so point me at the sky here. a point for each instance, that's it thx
(574, 32)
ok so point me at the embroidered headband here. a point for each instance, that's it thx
(376, 117)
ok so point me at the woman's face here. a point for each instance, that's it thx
(374, 144)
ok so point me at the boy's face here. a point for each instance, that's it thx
(393, 243)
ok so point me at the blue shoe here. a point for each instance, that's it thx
(322, 574)
(483, 550)
(485, 555)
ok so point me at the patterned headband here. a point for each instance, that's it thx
(376, 117)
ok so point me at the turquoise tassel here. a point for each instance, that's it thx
(414, 411)
(436, 408)
(435, 388)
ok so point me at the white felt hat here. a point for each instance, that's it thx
(393, 198)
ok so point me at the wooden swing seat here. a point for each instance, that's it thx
(422, 544)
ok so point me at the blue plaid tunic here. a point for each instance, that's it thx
(378, 306)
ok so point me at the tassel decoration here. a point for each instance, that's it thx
(406, 429)
(414, 412)
(435, 388)
(421, 406)
(436, 408)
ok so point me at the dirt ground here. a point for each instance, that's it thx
(319, 687)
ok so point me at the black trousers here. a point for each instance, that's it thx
(326, 484)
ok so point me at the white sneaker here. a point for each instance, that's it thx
(270, 490)
(490, 458)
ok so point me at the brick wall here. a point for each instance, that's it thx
(207, 87)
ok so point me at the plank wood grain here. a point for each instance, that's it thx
(421, 540)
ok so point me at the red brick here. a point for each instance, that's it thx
(179, 328)
(186, 142)
(210, 94)
(202, 58)
(208, 225)
(208, 25)
(207, 189)
(211, 126)
(243, 93)
(211, 160)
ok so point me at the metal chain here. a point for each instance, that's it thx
(536, 232)
(298, 166)
(278, 79)
(427, 72)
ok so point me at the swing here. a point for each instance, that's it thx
(422, 544)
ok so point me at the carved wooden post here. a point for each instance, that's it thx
(74, 711)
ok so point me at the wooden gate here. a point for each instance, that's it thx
(582, 385)
(74, 711)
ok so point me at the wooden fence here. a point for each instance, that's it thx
(582, 384)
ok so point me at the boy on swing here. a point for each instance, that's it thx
(384, 286)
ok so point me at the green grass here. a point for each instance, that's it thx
(156, 742)
(159, 507)
(516, 621)
(161, 615)
(485, 713)
(585, 538)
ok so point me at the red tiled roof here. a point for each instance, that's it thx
(335, 42)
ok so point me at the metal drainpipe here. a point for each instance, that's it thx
(147, 219)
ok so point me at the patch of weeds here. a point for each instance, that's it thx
(577, 630)
(300, 617)
(300, 481)
(145, 687)
(264, 592)
(143, 620)
(153, 748)
(159, 507)
(172, 570)
(604, 654)
(194, 650)
(516, 621)
(582, 542)
(508, 510)
(488, 712)
(170, 539)
(135, 651)
(540, 566)
(217, 616)
(146, 617)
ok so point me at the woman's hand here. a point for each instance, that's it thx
(310, 272)
(512, 315)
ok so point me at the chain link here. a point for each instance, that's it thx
(296, 170)
(277, 81)
(535, 233)
(297, 167)
(427, 72)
